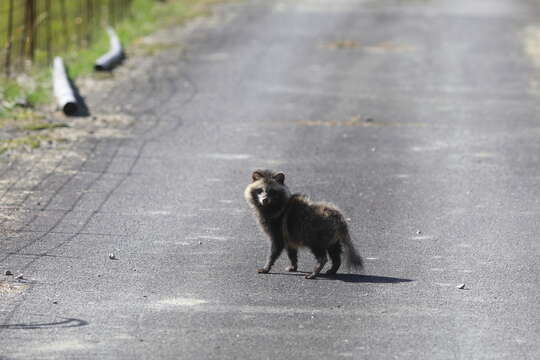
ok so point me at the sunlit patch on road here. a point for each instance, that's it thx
(66, 345)
(178, 301)
(11, 288)
(531, 42)
(159, 213)
(435, 146)
(183, 243)
(275, 162)
(318, 6)
(225, 156)
(227, 201)
(484, 155)
(209, 237)
(422, 237)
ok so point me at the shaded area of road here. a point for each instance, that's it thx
(419, 119)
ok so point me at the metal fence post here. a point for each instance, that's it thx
(112, 17)
(89, 21)
(49, 30)
(65, 32)
(30, 27)
(9, 39)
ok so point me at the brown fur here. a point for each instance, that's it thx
(293, 222)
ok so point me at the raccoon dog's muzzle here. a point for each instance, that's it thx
(263, 198)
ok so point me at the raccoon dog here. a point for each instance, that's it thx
(293, 222)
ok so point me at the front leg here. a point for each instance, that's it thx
(275, 251)
(293, 257)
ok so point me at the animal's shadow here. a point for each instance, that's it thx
(82, 109)
(352, 278)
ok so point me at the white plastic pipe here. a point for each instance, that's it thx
(114, 56)
(65, 96)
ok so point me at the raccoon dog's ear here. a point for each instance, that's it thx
(280, 178)
(256, 175)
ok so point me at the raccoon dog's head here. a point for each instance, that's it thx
(267, 191)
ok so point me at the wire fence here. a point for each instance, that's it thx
(34, 31)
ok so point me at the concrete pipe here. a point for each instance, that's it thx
(114, 56)
(63, 92)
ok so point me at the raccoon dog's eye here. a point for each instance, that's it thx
(258, 191)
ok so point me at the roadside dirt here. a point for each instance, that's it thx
(42, 150)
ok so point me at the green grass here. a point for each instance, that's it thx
(145, 17)
(11, 91)
(28, 93)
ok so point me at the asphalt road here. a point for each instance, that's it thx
(418, 118)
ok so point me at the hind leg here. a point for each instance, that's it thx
(335, 255)
(293, 256)
(320, 255)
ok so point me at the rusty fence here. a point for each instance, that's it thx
(34, 31)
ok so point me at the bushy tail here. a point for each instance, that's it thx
(352, 258)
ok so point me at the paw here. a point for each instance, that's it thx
(331, 272)
(291, 268)
(311, 276)
(263, 270)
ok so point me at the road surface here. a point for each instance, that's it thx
(418, 118)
